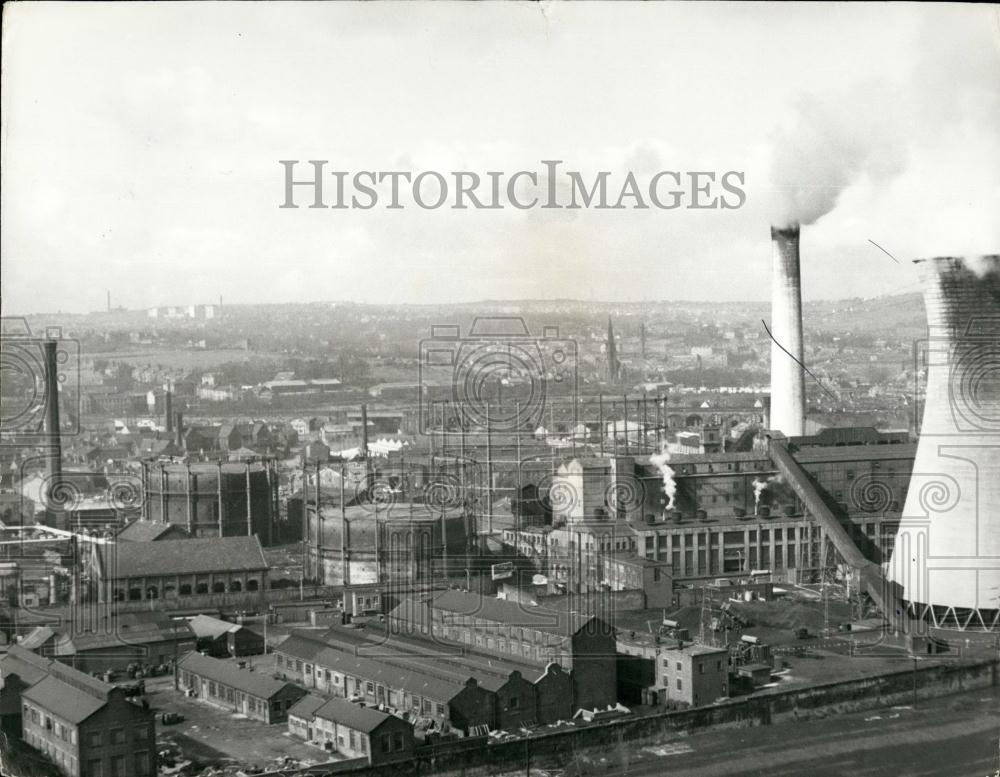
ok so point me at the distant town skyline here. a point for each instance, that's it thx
(142, 148)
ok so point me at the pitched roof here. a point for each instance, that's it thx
(562, 623)
(307, 705)
(64, 700)
(254, 683)
(146, 531)
(354, 716)
(207, 626)
(181, 557)
(66, 692)
(311, 648)
(135, 629)
(30, 667)
(37, 637)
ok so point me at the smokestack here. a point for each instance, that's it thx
(180, 430)
(168, 410)
(948, 542)
(788, 391)
(54, 457)
(109, 300)
(364, 431)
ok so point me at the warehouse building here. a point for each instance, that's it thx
(223, 684)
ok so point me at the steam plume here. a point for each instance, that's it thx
(659, 460)
(760, 486)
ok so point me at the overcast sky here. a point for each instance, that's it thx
(141, 145)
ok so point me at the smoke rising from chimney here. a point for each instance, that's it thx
(877, 129)
(659, 460)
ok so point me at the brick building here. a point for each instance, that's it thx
(223, 684)
(307, 660)
(584, 646)
(354, 730)
(174, 569)
(86, 727)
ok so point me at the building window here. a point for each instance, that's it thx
(679, 684)
(440, 712)
(118, 766)
(397, 739)
(94, 768)
(678, 666)
(142, 763)
(701, 669)
(117, 736)
(513, 703)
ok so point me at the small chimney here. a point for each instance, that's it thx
(364, 431)
(788, 403)
(168, 410)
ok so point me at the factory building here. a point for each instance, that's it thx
(732, 513)
(175, 570)
(213, 500)
(584, 646)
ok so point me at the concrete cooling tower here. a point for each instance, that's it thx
(946, 556)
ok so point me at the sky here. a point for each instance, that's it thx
(141, 146)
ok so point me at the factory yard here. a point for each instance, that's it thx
(209, 736)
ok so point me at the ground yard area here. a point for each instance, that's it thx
(210, 736)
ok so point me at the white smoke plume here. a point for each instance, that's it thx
(760, 486)
(659, 460)
(870, 129)
(832, 141)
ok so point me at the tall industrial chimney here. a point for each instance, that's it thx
(180, 430)
(946, 556)
(53, 472)
(109, 300)
(788, 390)
(168, 410)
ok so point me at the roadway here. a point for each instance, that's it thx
(953, 736)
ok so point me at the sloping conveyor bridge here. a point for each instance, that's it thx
(886, 595)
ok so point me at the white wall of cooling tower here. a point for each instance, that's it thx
(947, 551)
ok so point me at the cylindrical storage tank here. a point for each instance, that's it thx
(209, 500)
(948, 541)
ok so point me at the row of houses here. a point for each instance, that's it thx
(336, 724)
